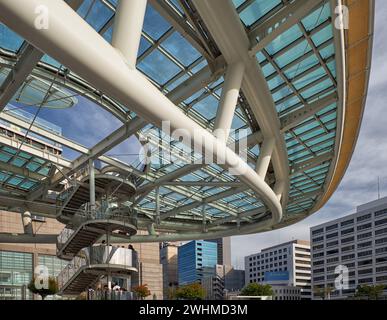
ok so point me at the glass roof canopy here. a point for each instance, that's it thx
(300, 67)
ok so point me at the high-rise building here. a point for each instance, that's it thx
(224, 250)
(168, 259)
(196, 260)
(284, 264)
(354, 245)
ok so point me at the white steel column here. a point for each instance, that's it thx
(228, 100)
(92, 185)
(128, 23)
(78, 46)
(265, 156)
(279, 189)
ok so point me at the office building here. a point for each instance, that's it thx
(224, 250)
(284, 264)
(357, 242)
(196, 260)
(222, 281)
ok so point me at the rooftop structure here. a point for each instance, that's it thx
(284, 81)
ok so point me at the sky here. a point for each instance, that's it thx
(369, 160)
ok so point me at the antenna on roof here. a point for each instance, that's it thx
(378, 187)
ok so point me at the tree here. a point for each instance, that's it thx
(318, 292)
(256, 289)
(142, 291)
(370, 292)
(193, 291)
(44, 292)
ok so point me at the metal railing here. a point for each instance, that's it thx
(111, 295)
(70, 270)
(114, 257)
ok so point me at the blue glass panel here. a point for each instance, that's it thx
(154, 24)
(181, 49)
(158, 67)
(257, 10)
(9, 40)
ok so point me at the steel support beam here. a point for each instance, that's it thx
(196, 82)
(178, 22)
(304, 196)
(21, 171)
(228, 100)
(310, 163)
(92, 185)
(294, 118)
(29, 57)
(103, 146)
(234, 44)
(27, 238)
(195, 204)
(265, 156)
(203, 184)
(283, 20)
(35, 152)
(67, 143)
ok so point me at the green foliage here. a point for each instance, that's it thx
(323, 293)
(370, 292)
(51, 290)
(256, 289)
(192, 291)
(142, 291)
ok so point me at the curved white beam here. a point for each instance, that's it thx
(78, 46)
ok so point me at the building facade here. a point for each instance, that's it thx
(223, 249)
(168, 260)
(196, 260)
(284, 264)
(19, 260)
(286, 292)
(355, 244)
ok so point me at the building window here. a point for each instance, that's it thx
(380, 222)
(364, 217)
(364, 244)
(364, 235)
(15, 271)
(381, 213)
(347, 231)
(330, 228)
(346, 223)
